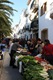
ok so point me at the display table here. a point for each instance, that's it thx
(20, 53)
(44, 63)
(23, 52)
(28, 63)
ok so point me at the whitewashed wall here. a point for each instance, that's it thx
(45, 21)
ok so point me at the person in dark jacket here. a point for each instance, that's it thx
(14, 48)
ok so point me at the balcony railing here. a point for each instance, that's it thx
(20, 31)
(51, 10)
(35, 8)
(26, 29)
(34, 25)
(34, 28)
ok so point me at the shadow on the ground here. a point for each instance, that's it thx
(10, 73)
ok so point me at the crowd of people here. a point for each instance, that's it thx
(33, 46)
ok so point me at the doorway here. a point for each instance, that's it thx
(44, 34)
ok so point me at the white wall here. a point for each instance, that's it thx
(45, 21)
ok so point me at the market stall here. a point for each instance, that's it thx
(32, 68)
(20, 53)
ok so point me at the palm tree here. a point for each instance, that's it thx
(5, 12)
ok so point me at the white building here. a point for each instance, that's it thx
(33, 17)
(24, 29)
(24, 26)
(26, 19)
(15, 30)
(46, 19)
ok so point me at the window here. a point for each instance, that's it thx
(44, 34)
(43, 8)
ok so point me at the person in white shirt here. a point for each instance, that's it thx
(10, 46)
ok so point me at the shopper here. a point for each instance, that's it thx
(14, 48)
(10, 47)
(47, 52)
(38, 47)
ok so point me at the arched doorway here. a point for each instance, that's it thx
(44, 34)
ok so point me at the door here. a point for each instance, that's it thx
(44, 34)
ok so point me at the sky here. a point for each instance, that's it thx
(19, 5)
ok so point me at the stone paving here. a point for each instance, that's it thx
(7, 72)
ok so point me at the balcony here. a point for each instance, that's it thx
(34, 6)
(34, 25)
(26, 13)
(20, 31)
(51, 10)
(26, 29)
(34, 28)
(23, 29)
(28, 2)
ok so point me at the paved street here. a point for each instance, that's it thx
(7, 72)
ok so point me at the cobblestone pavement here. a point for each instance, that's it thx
(7, 72)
